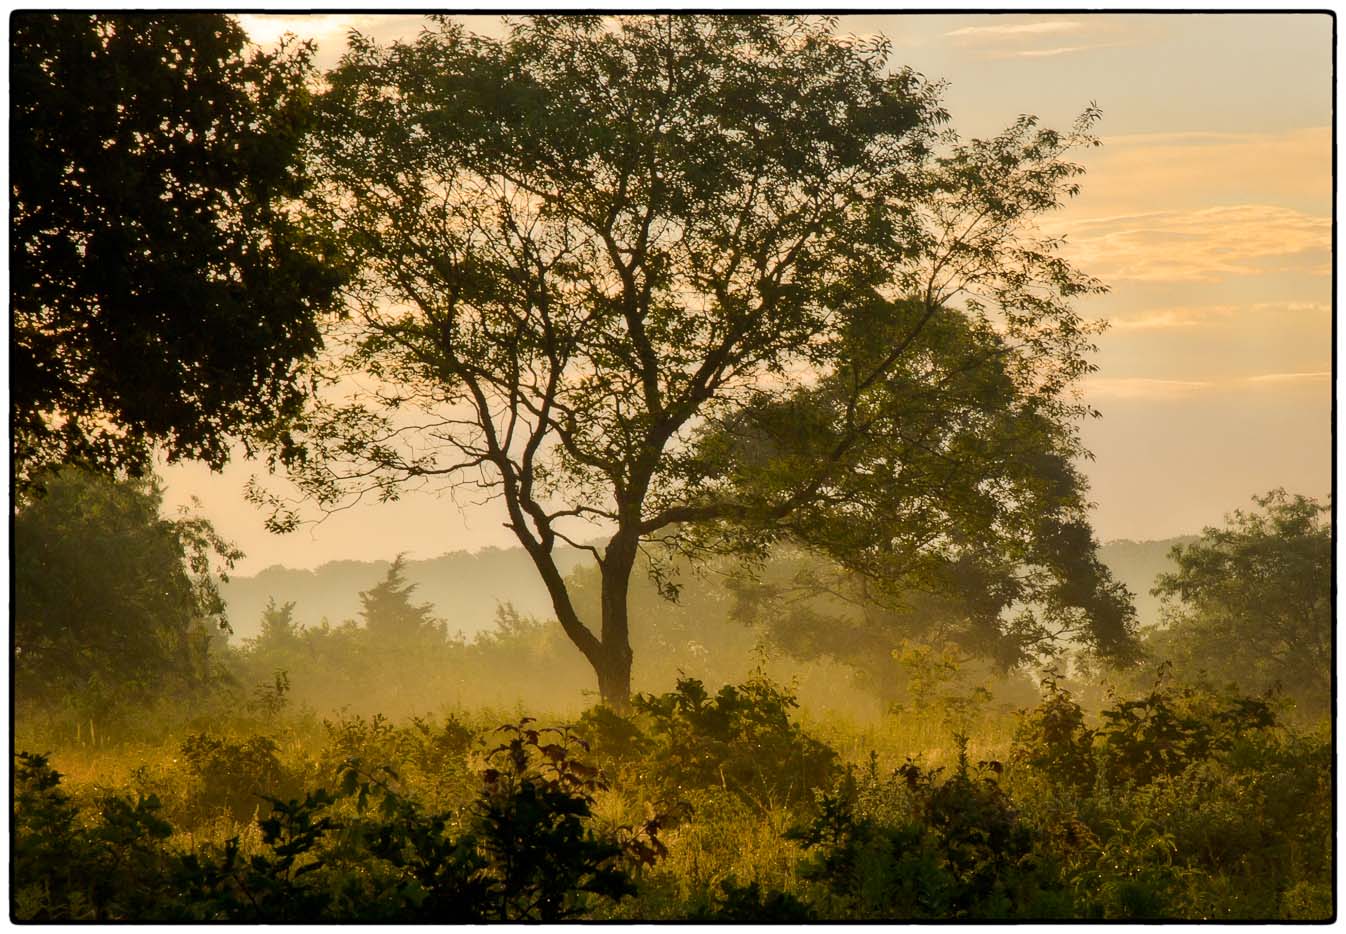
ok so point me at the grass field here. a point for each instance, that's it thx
(728, 805)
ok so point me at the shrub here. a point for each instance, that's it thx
(741, 739)
(952, 848)
(526, 849)
(1169, 729)
(738, 904)
(64, 869)
(1052, 741)
(234, 776)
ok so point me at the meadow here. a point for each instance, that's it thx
(727, 804)
(777, 379)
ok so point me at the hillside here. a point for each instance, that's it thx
(465, 587)
(1137, 564)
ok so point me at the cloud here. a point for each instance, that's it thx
(1198, 169)
(1047, 53)
(1023, 40)
(1150, 388)
(266, 29)
(1312, 377)
(1194, 316)
(1169, 318)
(1014, 31)
(1204, 245)
(1136, 387)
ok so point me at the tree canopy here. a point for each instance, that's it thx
(113, 602)
(1251, 602)
(709, 281)
(162, 284)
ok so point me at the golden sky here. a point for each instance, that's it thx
(1207, 211)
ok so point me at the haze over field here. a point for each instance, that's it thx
(466, 588)
(1207, 211)
(706, 500)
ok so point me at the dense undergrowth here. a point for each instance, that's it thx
(1175, 802)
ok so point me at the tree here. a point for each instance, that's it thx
(162, 284)
(691, 280)
(1252, 602)
(812, 609)
(390, 616)
(113, 603)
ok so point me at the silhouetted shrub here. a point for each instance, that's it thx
(1169, 729)
(1052, 741)
(738, 904)
(742, 739)
(525, 850)
(932, 848)
(234, 776)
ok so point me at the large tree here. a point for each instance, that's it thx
(713, 281)
(162, 285)
(1251, 602)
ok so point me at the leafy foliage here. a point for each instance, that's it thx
(940, 849)
(114, 604)
(527, 850)
(163, 286)
(530, 815)
(1053, 741)
(1251, 603)
(742, 739)
(233, 775)
(1234, 823)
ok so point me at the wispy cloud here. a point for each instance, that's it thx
(1051, 53)
(1041, 39)
(1136, 387)
(1150, 388)
(1316, 376)
(1194, 316)
(1205, 245)
(1189, 170)
(1014, 30)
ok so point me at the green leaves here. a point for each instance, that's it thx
(1251, 602)
(114, 603)
(164, 285)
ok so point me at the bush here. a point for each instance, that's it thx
(526, 849)
(1201, 807)
(741, 740)
(1052, 741)
(234, 776)
(914, 846)
(64, 869)
(739, 904)
(1169, 729)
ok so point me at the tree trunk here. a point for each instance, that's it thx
(613, 665)
(614, 681)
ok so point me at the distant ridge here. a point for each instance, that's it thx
(465, 587)
(1137, 564)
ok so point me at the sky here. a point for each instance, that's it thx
(1207, 212)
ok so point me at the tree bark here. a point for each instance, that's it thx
(614, 680)
(613, 664)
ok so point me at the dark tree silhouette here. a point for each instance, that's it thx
(162, 284)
